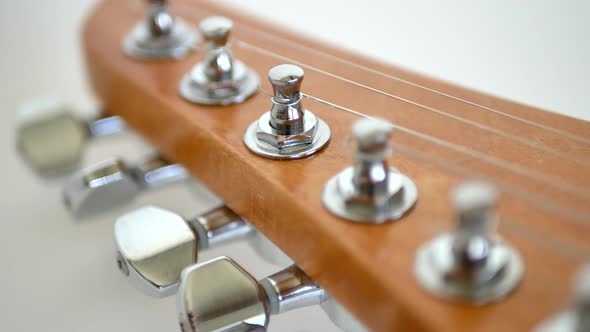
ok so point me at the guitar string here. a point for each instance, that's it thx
(295, 45)
(478, 155)
(401, 80)
(533, 198)
(521, 140)
(563, 247)
(528, 142)
(508, 225)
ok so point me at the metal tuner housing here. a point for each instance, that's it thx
(160, 35)
(470, 264)
(51, 137)
(370, 191)
(218, 79)
(114, 182)
(220, 295)
(154, 244)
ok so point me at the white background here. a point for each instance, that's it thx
(59, 275)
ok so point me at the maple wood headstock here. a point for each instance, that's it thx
(443, 135)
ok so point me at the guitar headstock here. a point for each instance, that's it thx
(277, 151)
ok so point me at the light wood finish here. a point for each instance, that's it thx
(368, 268)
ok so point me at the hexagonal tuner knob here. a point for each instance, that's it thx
(219, 295)
(370, 191)
(287, 131)
(114, 182)
(218, 79)
(159, 35)
(52, 138)
(154, 245)
(470, 263)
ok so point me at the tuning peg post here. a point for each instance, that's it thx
(52, 138)
(370, 191)
(287, 131)
(218, 79)
(160, 35)
(470, 263)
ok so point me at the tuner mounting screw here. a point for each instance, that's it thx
(470, 263)
(287, 131)
(218, 79)
(159, 35)
(370, 191)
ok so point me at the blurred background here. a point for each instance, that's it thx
(59, 274)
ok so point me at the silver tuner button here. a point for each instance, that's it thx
(113, 182)
(154, 245)
(370, 191)
(287, 131)
(160, 35)
(220, 295)
(576, 318)
(218, 79)
(470, 263)
(52, 138)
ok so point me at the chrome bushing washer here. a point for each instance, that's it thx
(140, 44)
(335, 199)
(194, 88)
(266, 150)
(503, 271)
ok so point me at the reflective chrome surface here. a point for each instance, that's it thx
(287, 131)
(49, 136)
(106, 126)
(291, 289)
(370, 191)
(576, 318)
(157, 171)
(114, 182)
(218, 79)
(471, 263)
(160, 36)
(99, 187)
(219, 225)
(153, 247)
(219, 295)
(167, 243)
(52, 138)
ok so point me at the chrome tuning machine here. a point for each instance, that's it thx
(160, 35)
(154, 245)
(52, 138)
(114, 182)
(219, 295)
(470, 263)
(370, 191)
(287, 131)
(577, 317)
(218, 79)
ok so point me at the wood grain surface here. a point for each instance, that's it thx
(367, 268)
